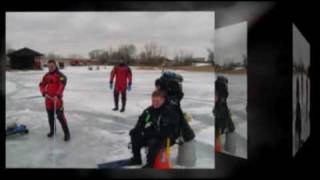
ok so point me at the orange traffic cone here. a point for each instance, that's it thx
(162, 160)
(217, 146)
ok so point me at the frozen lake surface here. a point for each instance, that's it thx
(99, 134)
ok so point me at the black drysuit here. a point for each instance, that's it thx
(152, 129)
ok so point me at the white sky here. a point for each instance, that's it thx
(231, 43)
(301, 48)
(67, 33)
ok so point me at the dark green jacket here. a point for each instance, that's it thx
(157, 123)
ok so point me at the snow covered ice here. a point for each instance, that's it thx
(99, 134)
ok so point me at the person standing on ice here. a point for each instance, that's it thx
(157, 123)
(51, 87)
(123, 77)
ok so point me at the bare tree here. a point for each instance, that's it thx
(151, 54)
(152, 50)
(245, 60)
(142, 57)
(183, 58)
(75, 56)
(101, 55)
(95, 54)
(52, 56)
(211, 56)
(127, 52)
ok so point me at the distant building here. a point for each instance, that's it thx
(200, 61)
(113, 61)
(25, 58)
(75, 61)
(164, 61)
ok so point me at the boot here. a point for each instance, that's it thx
(123, 100)
(50, 134)
(51, 123)
(67, 137)
(147, 166)
(66, 132)
(135, 161)
(65, 127)
(116, 100)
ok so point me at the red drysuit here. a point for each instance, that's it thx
(53, 84)
(122, 73)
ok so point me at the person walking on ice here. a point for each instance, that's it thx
(51, 87)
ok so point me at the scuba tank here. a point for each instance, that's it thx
(187, 150)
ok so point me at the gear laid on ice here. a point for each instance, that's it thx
(16, 129)
(120, 163)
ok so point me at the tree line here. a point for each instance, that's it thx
(151, 54)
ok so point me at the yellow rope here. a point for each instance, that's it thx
(168, 149)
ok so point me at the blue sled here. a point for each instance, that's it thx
(114, 164)
(18, 129)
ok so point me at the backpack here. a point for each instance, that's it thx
(171, 83)
(221, 87)
(221, 110)
(184, 133)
